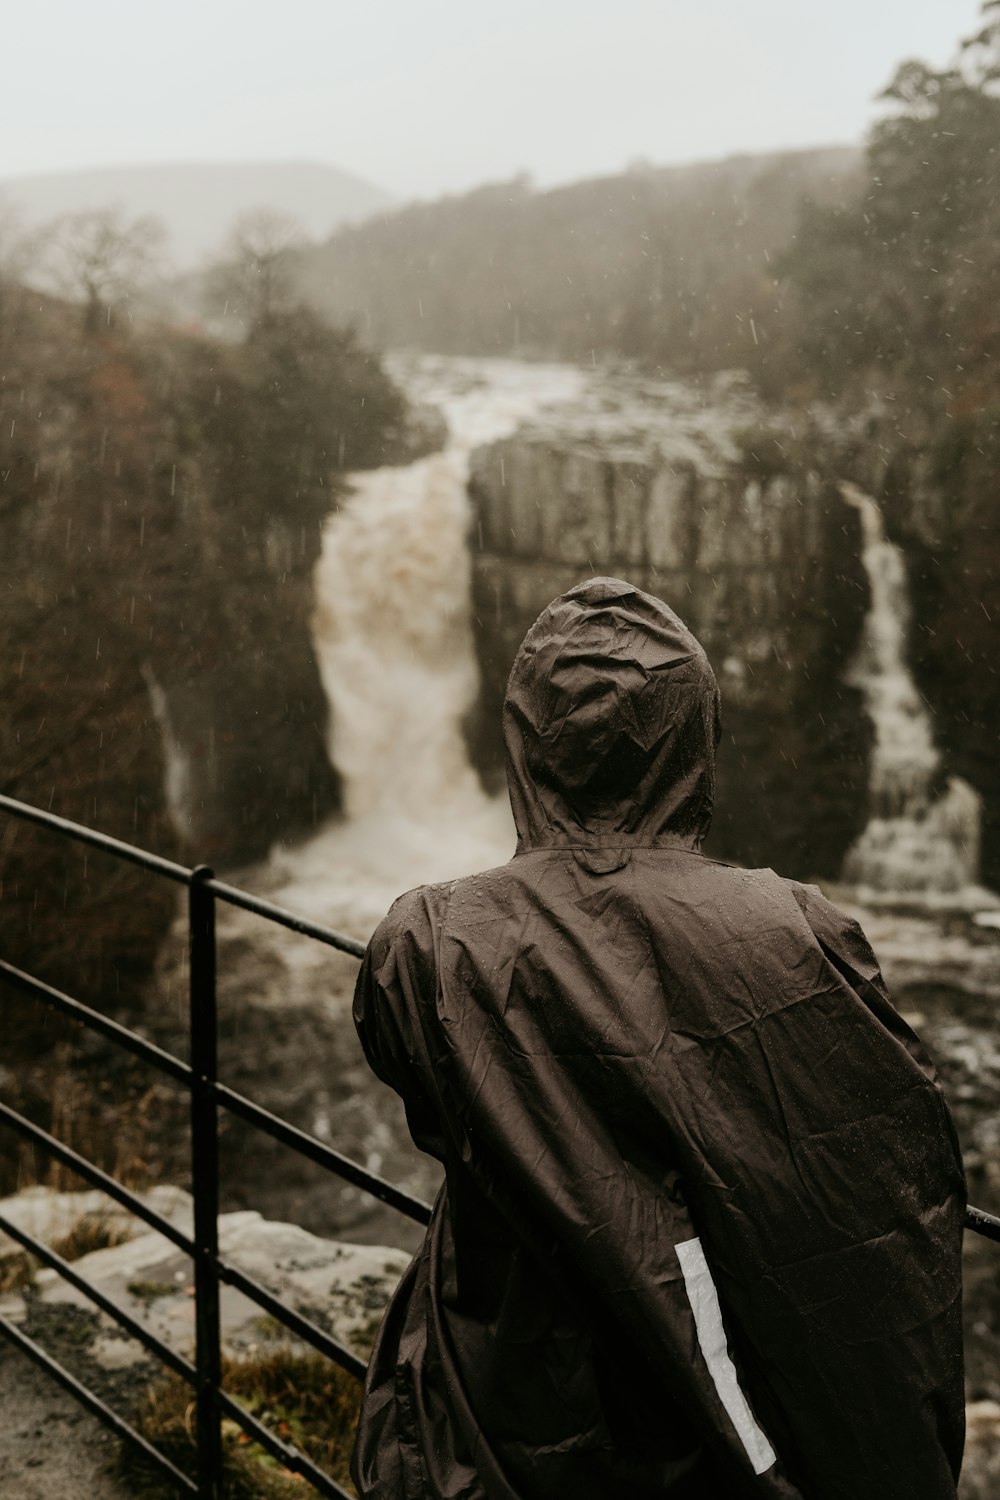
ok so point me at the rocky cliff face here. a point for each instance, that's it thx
(239, 703)
(759, 556)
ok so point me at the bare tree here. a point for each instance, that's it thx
(102, 258)
(253, 280)
(20, 252)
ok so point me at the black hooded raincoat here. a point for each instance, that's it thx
(701, 1226)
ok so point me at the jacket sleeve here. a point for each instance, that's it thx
(395, 1006)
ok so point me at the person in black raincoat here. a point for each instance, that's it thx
(700, 1231)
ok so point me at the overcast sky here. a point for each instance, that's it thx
(423, 97)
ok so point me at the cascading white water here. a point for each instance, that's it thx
(914, 842)
(177, 777)
(394, 644)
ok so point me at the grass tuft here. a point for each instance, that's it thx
(95, 1231)
(148, 1291)
(18, 1270)
(303, 1399)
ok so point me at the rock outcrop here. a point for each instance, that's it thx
(50, 1448)
(344, 1286)
(759, 557)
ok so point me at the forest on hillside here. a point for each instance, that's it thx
(820, 272)
(673, 267)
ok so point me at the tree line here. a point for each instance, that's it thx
(671, 267)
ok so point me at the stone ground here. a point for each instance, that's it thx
(51, 1448)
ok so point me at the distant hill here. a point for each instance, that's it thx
(198, 202)
(667, 265)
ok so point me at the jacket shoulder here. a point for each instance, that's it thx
(413, 918)
(835, 931)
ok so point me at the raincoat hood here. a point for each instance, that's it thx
(611, 721)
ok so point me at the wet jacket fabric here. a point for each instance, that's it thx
(700, 1229)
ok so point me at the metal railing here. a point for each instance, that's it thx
(207, 1095)
(212, 1403)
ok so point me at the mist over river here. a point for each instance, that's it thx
(394, 641)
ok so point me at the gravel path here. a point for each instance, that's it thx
(50, 1448)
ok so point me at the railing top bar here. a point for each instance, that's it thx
(978, 1220)
(235, 897)
(182, 875)
(104, 841)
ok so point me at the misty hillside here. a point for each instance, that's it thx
(671, 265)
(199, 201)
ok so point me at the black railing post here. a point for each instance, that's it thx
(205, 1183)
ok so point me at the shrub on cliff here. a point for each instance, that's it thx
(284, 414)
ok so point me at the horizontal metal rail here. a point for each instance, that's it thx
(83, 835)
(982, 1223)
(326, 1156)
(92, 1174)
(77, 1011)
(95, 1405)
(308, 1331)
(285, 1453)
(135, 1329)
(183, 876)
(261, 908)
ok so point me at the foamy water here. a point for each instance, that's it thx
(394, 643)
(915, 841)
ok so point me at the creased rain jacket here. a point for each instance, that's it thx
(701, 1226)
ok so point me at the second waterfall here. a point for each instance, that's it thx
(922, 837)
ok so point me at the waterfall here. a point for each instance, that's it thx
(919, 839)
(177, 775)
(394, 643)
